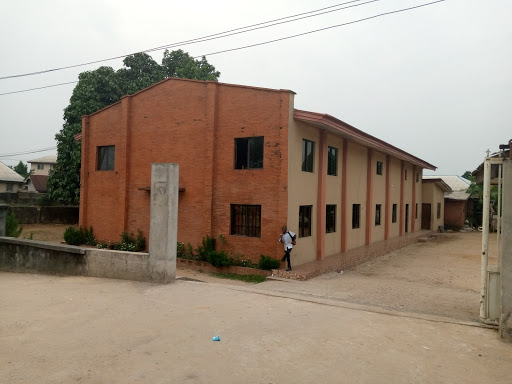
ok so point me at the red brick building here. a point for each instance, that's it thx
(249, 163)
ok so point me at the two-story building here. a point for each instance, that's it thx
(39, 170)
(249, 163)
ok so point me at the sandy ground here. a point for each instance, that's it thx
(45, 232)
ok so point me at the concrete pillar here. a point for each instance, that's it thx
(506, 258)
(322, 175)
(3, 218)
(163, 227)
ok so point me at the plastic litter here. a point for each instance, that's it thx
(216, 338)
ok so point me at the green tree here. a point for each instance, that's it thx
(102, 87)
(21, 169)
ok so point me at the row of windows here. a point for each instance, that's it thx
(246, 219)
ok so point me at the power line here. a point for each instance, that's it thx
(214, 36)
(271, 41)
(28, 152)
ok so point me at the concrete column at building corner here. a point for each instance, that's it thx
(369, 197)
(344, 197)
(387, 209)
(413, 207)
(163, 230)
(322, 175)
(122, 163)
(3, 219)
(505, 326)
(402, 197)
(84, 177)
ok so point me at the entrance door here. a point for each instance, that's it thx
(406, 218)
(426, 216)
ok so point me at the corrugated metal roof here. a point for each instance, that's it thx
(50, 159)
(456, 183)
(456, 195)
(7, 174)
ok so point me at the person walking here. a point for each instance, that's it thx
(288, 239)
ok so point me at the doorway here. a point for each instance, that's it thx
(426, 216)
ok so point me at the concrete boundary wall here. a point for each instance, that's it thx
(31, 256)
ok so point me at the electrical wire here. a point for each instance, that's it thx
(269, 41)
(28, 152)
(214, 36)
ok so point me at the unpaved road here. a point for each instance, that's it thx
(89, 330)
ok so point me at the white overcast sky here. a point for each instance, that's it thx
(435, 81)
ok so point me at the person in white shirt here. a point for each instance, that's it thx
(288, 239)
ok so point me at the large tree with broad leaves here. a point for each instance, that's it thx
(103, 87)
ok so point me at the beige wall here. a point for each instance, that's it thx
(433, 195)
(357, 159)
(379, 197)
(44, 171)
(15, 186)
(394, 191)
(302, 189)
(333, 196)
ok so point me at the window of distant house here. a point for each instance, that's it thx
(379, 167)
(438, 210)
(393, 214)
(332, 161)
(377, 214)
(305, 215)
(246, 220)
(356, 213)
(8, 187)
(249, 153)
(405, 175)
(308, 151)
(417, 177)
(330, 218)
(416, 211)
(106, 158)
(40, 166)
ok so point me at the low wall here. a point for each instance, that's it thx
(45, 215)
(58, 259)
(207, 267)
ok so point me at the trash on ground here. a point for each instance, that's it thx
(216, 338)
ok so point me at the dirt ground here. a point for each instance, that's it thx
(45, 232)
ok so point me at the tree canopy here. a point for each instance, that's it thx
(102, 87)
(21, 169)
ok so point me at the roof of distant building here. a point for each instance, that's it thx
(7, 174)
(50, 159)
(458, 185)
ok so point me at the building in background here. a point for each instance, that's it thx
(434, 189)
(10, 181)
(39, 170)
(249, 163)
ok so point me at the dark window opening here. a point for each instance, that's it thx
(356, 212)
(438, 210)
(416, 211)
(40, 166)
(246, 220)
(308, 151)
(405, 176)
(393, 215)
(305, 214)
(379, 167)
(332, 161)
(377, 214)
(417, 177)
(106, 158)
(249, 153)
(330, 218)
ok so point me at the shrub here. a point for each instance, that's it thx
(203, 250)
(130, 243)
(88, 235)
(12, 226)
(268, 263)
(218, 259)
(73, 236)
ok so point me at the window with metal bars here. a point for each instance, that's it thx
(246, 220)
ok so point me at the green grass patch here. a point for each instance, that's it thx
(255, 279)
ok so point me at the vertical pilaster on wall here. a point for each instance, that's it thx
(163, 227)
(322, 174)
(344, 197)
(387, 215)
(505, 327)
(209, 146)
(3, 219)
(122, 163)
(369, 197)
(285, 125)
(84, 173)
(413, 207)
(402, 200)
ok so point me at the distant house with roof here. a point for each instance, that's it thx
(10, 181)
(455, 200)
(39, 170)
